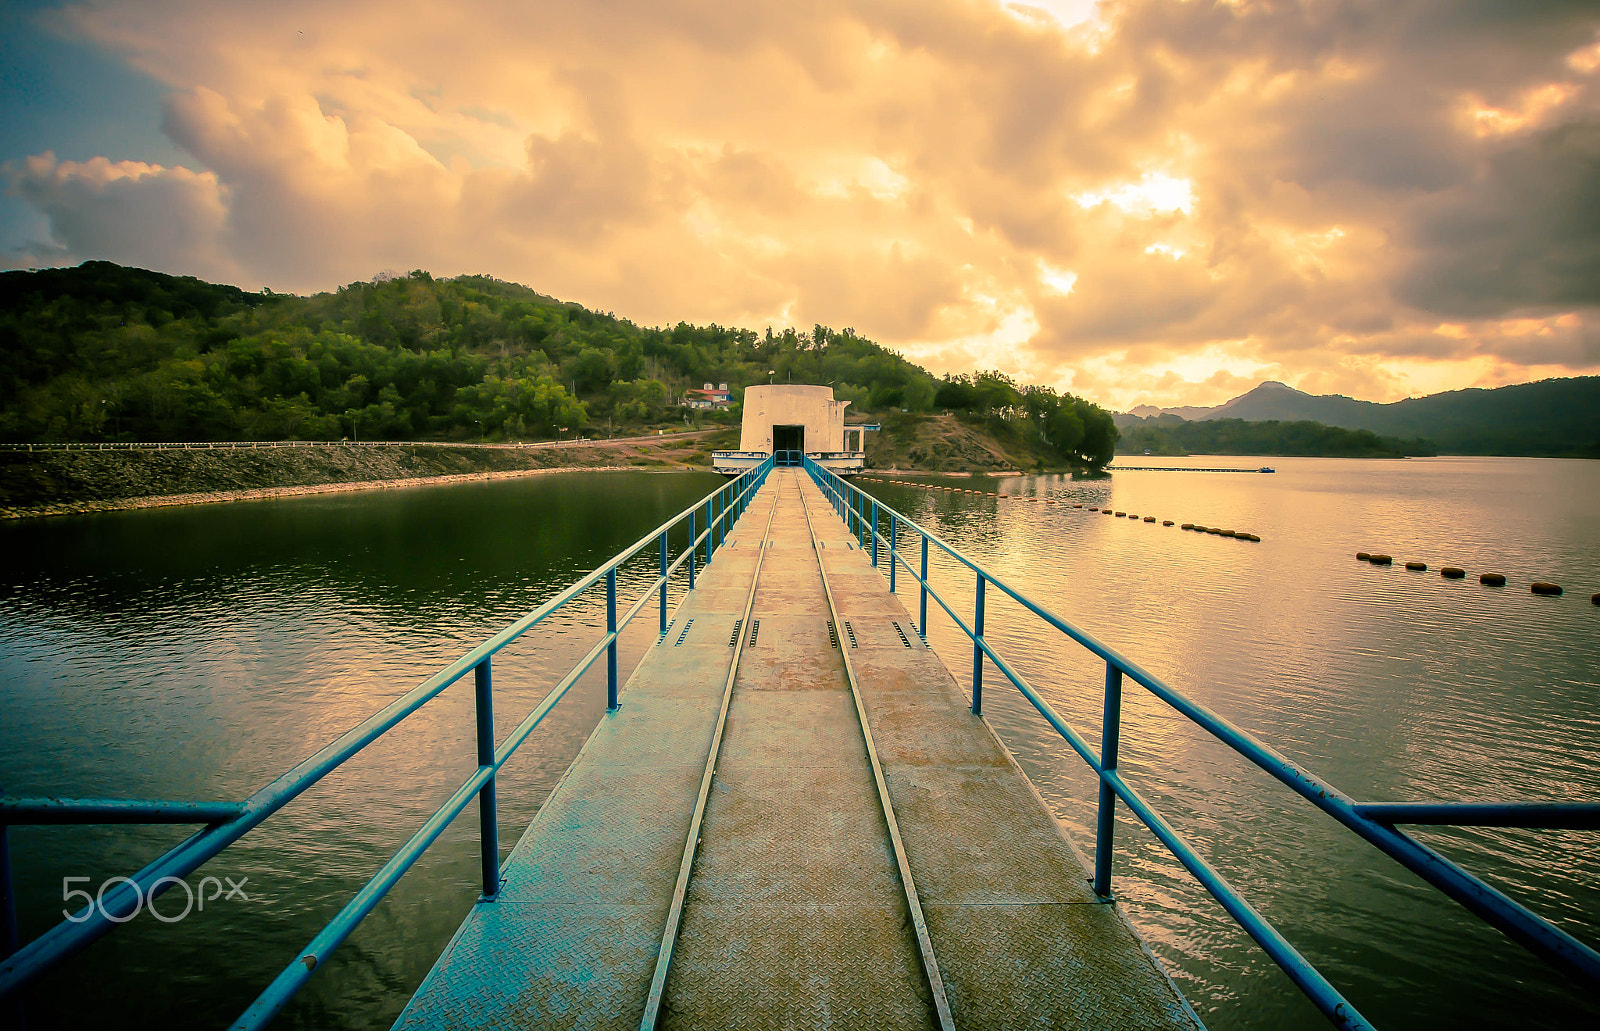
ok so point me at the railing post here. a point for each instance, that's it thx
(977, 650)
(894, 539)
(861, 519)
(874, 534)
(488, 822)
(691, 549)
(1110, 733)
(663, 583)
(711, 506)
(611, 649)
(923, 617)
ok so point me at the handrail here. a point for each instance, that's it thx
(226, 823)
(1374, 821)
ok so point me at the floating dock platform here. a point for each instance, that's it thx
(794, 820)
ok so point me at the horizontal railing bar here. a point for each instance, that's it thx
(1493, 906)
(1533, 815)
(1050, 715)
(299, 971)
(69, 936)
(1306, 977)
(295, 975)
(655, 585)
(1522, 925)
(41, 811)
(529, 722)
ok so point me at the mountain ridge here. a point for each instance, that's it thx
(1557, 417)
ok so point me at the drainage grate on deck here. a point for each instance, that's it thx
(904, 639)
(850, 632)
(833, 635)
(733, 638)
(755, 628)
(684, 633)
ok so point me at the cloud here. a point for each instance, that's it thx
(1156, 195)
(127, 211)
(1525, 234)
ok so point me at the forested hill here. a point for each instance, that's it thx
(102, 352)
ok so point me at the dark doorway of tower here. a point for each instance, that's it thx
(788, 445)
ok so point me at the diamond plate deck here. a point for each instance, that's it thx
(794, 916)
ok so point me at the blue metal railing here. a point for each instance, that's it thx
(1375, 821)
(226, 823)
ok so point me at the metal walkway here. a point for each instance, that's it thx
(794, 908)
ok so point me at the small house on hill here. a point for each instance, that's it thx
(708, 396)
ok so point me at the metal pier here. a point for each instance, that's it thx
(794, 912)
(792, 816)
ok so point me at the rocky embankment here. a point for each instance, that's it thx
(942, 443)
(40, 483)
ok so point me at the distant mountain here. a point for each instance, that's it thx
(1553, 417)
(1187, 412)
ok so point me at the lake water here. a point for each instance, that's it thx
(196, 653)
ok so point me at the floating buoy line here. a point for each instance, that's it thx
(1238, 535)
(1539, 587)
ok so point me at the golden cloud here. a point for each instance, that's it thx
(1160, 203)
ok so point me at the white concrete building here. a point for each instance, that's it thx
(789, 420)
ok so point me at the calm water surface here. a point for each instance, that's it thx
(196, 653)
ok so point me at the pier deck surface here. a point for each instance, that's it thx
(795, 916)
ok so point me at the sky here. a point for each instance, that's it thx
(1142, 202)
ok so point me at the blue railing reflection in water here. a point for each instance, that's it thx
(226, 823)
(865, 516)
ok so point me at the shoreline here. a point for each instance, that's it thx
(299, 490)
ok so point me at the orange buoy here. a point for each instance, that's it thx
(1077, 504)
(1105, 511)
(1121, 514)
(1452, 572)
(1362, 556)
(1493, 579)
(1255, 538)
(1542, 587)
(1149, 519)
(1381, 560)
(1187, 526)
(1094, 510)
(1417, 567)
(1595, 598)
(1166, 522)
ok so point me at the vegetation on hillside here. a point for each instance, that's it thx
(1170, 435)
(1069, 425)
(102, 352)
